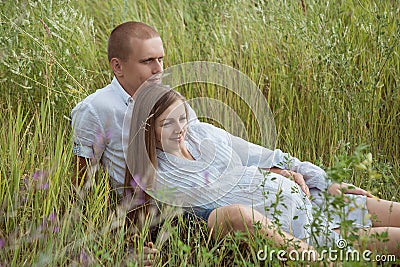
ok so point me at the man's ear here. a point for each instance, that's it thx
(115, 64)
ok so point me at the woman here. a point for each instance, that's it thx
(196, 165)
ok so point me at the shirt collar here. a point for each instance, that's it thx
(124, 95)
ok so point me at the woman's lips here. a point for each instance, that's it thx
(178, 139)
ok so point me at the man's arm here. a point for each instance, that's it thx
(80, 170)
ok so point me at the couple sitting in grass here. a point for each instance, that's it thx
(181, 161)
(214, 174)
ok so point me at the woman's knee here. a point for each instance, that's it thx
(236, 217)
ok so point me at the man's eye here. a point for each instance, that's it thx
(160, 59)
(182, 119)
(147, 61)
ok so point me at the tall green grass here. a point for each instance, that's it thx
(330, 74)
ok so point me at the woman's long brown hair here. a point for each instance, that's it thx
(141, 158)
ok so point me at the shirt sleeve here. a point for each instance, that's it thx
(88, 132)
(250, 154)
(314, 176)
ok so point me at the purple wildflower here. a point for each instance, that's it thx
(56, 229)
(83, 257)
(2, 243)
(134, 181)
(102, 139)
(128, 193)
(45, 186)
(39, 180)
(39, 175)
(140, 200)
(206, 177)
(52, 217)
(99, 139)
(99, 144)
(108, 135)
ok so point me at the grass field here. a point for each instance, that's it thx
(330, 71)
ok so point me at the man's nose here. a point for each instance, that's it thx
(157, 67)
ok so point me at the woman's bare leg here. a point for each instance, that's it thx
(225, 220)
(384, 246)
(384, 212)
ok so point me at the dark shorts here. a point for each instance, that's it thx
(189, 216)
(197, 213)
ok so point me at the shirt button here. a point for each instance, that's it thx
(130, 100)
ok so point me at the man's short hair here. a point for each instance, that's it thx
(119, 43)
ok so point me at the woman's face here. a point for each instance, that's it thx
(171, 127)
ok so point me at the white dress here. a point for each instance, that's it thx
(226, 171)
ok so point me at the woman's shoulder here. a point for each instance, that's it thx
(205, 130)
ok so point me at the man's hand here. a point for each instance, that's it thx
(337, 189)
(297, 177)
(149, 253)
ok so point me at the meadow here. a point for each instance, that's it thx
(330, 71)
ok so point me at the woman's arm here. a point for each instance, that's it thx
(314, 176)
(297, 177)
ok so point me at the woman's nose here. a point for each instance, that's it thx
(178, 130)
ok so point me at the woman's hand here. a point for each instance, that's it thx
(337, 189)
(297, 177)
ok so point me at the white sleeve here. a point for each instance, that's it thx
(314, 176)
(250, 154)
(87, 132)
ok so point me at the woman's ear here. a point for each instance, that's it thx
(116, 66)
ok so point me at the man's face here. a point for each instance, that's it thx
(145, 60)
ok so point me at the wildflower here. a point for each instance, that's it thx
(26, 180)
(140, 199)
(83, 258)
(206, 176)
(56, 229)
(38, 175)
(100, 143)
(2, 243)
(101, 140)
(52, 217)
(39, 180)
(108, 134)
(134, 181)
(45, 186)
